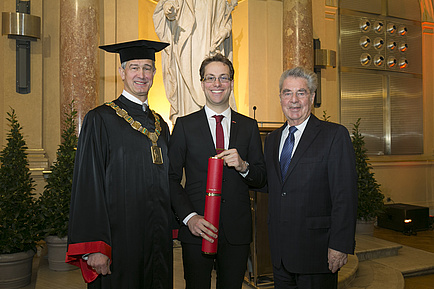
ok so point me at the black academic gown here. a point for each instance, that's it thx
(120, 200)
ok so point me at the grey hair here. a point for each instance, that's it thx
(300, 72)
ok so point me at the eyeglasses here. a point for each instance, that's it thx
(212, 79)
(299, 93)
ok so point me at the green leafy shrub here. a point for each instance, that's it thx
(18, 225)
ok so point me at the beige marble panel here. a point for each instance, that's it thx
(297, 34)
(264, 59)
(51, 78)
(79, 55)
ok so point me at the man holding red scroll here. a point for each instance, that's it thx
(215, 131)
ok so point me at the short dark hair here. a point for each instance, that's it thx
(216, 58)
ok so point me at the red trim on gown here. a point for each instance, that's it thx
(75, 253)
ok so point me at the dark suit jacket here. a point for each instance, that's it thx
(190, 146)
(314, 207)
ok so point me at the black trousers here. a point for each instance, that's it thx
(230, 263)
(287, 280)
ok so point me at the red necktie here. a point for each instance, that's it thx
(219, 136)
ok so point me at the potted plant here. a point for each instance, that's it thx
(370, 198)
(54, 201)
(18, 226)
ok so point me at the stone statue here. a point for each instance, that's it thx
(194, 29)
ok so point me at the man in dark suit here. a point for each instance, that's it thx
(193, 142)
(312, 185)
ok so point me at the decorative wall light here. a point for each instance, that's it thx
(365, 59)
(379, 26)
(403, 63)
(379, 60)
(391, 61)
(403, 47)
(378, 43)
(323, 58)
(24, 28)
(391, 28)
(391, 45)
(402, 30)
(365, 25)
(365, 42)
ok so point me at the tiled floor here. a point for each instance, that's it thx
(424, 240)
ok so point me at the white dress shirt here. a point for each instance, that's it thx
(297, 136)
(226, 124)
(134, 99)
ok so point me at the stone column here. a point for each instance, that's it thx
(79, 35)
(297, 34)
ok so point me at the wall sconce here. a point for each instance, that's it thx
(365, 59)
(365, 42)
(379, 26)
(323, 58)
(378, 43)
(403, 63)
(379, 60)
(403, 47)
(24, 28)
(391, 61)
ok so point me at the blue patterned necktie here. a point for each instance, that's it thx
(285, 156)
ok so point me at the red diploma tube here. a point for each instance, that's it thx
(212, 200)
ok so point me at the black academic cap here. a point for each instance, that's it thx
(138, 49)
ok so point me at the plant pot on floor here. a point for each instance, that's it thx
(57, 252)
(16, 269)
(365, 227)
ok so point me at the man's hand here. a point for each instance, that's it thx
(233, 159)
(200, 227)
(100, 263)
(336, 260)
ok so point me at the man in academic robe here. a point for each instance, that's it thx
(312, 186)
(194, 140)
(119, 227)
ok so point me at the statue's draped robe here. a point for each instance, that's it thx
(201, 28)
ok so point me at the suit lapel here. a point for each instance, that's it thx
(275, 151)
(206, 133)
(310, 132)
(234, 129)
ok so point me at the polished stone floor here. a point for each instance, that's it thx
(423, 240)
(44, 278)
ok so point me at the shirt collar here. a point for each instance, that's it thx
(210, 113)
(300, 127)
(132, 98)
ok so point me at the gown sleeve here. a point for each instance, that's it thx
(89, 221)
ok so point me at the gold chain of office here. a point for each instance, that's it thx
(153, 136)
